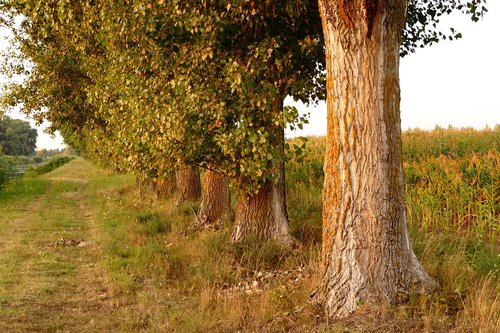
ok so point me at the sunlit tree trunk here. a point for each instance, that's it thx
(215, 204)
(188, 184)
(366, 253)
(143, 185)
(264, 215)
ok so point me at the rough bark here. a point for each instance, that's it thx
(366, 253)
(215, 204)
(264, 215)
(188, 184)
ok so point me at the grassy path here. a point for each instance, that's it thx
(85, 250)
(49, 277)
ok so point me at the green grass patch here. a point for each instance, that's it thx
(23, 189)
(173, 279)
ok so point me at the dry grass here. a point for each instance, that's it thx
(163, 279)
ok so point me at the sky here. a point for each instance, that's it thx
(450, 83)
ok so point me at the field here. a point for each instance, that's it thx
(82, 250)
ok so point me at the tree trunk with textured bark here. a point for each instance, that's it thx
(264, 215)
(366, 253)
(188, 184)
(215, 204)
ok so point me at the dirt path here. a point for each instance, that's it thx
(50, 278)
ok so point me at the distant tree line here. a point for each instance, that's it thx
(17, 137)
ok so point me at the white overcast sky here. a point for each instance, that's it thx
(451, 83)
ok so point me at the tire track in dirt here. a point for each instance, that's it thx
(45, 285)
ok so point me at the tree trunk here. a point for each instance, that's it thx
(165, 186)
(366, 253)
(161, 186)
(143, 184)
(264, 215)
(215, 204)
(188, 184)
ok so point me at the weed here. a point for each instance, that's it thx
(173, 281)
(253, 255)
(154, 223)
(23, 188)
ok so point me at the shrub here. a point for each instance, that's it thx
(46, 168)
(6, 169)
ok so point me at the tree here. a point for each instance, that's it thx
(188, 184)
(216, 101)
(269, 50)
(215, 206)
(17, 137)
(56, 84)
(202, 83)
(366, 253)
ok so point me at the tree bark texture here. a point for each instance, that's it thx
(215, 204)
(366, 253)
(188, 184)
(143, 185)
(264, 215)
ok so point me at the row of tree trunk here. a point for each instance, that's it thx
(367, 256)
(261, 216)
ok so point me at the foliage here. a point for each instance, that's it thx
(158, 277)
(424, 16)
(22, 188)
(451, 178)
(454, 174)
(143, 86)
(48, 153)
(48, 167)
(453, 143)
(217, 77)
(197, 269)
(9, 165)
(17, 137)
(6, 169)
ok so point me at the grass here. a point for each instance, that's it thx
(189, 282)
(160, 278)
(45, 285)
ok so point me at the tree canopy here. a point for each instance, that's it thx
(143, 86)
(17, 137)
(149, 87)
(155, 84)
